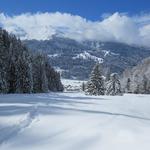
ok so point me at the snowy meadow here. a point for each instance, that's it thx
(71, 120)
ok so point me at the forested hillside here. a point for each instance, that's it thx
(23, 72)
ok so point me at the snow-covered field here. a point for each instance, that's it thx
(73, 121)
(73, 85)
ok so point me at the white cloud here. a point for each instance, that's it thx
(116, 27)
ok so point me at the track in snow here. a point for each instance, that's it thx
(9, 132)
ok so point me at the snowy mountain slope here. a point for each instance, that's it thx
(64, 121)
(54, 55)
(85, 55)
(78, 58)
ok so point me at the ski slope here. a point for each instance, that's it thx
(73, 121)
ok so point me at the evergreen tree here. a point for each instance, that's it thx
(53, 77)
(128, 86)
(3, 85)
(4, 59)
(24, 76)
(137, 85)
(59, 85)
(108, 75)
(19, 72)
(145, 85)
(95, 85)
(12, 78)
(137, 89)
(113, 86)
(83, 86)
(40, 83)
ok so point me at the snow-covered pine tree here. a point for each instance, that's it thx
(95, 86)
(58, 83)
(113, 86)
(24, 74)
(128, 86)
(145, 85)
(137, 84)
(12, 78)
(19, 74)
(107, 76)
(83, 86)
(4, 57)
(3, 85)
(12, 67)
(137, 89)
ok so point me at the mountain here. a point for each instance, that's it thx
(75, 59)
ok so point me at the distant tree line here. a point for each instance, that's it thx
(24, 72)
(111, 85)
(137, 79)
(136, 86)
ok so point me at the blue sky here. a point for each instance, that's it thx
(126, 21)
(90, 9)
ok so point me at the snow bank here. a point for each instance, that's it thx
(73, 121)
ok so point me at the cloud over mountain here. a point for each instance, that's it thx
(114, 27)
